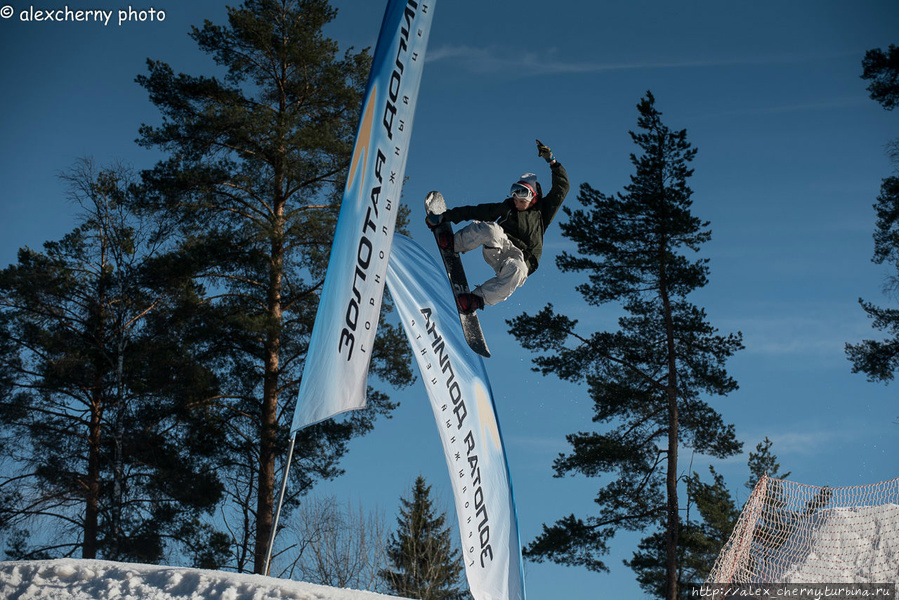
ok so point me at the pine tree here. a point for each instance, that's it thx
(882, 70)
(700, 539)
(424, 562)
(110, 453)
(646, 379)
(879, 359)
(254, 177)
(710, 518)
(763, 463)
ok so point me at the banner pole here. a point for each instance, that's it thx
(271, 539)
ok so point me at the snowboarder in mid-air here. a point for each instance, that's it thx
(510, 232)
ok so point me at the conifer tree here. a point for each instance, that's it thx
(424, 562)
(763, 463)
(882, 70)
(701, 538)
(102, 438)
(255, 169)
(647, 379)
(879, 359)
(707, 524)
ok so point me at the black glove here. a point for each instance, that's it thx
(544, 152)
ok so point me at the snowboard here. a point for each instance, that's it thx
(471, 326)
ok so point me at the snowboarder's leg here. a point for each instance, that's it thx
(504, 258)
(479, 233)
(511, 272)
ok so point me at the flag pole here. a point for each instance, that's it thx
(271, 539)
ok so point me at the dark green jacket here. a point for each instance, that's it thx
(525, 228)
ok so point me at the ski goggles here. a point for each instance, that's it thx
(522, 192)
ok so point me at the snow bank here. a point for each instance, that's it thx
(69, 579)
(858, 545)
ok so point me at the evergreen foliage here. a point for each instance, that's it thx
(424, 562)
(104, 439)
(646, 379)
(879, 359)
(255, 169)
(709, 520)
(700, 540)
(882, 70)
(763, 463)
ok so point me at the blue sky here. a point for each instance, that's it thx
(791, 155)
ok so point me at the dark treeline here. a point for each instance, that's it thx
(152, 357)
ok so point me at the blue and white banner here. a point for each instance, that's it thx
(462, 401)
(335, 375)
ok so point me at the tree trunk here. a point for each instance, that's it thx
(92, 504)
(672, 528)
(265, 503)
(269, 418)
(95, 428)
(97, 328)
(671, 483)
(266, 492)
(118, 488)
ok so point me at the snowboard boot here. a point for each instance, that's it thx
(469, 303)
(433, 220)
(445, 240)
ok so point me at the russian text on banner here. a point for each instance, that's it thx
(462, 402)
(336, 371)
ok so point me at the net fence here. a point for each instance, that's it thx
(794, 533)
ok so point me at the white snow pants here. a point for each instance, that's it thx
(504, 258)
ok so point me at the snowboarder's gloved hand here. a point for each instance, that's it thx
(433, 220)
(544, 152)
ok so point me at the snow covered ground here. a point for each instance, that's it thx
(857, 544)
(69, 579)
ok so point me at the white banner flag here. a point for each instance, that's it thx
(335, 375)
(462, 401)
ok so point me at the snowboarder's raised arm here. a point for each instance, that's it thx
(550, 203)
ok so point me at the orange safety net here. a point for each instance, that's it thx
(794, 533)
